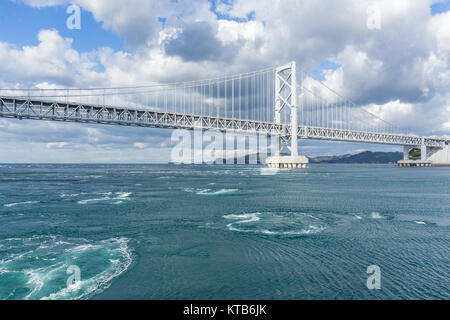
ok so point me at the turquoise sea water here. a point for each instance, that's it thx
(223, 232)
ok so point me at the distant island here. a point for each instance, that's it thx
(362, 157)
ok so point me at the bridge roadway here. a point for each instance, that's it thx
(24, 108)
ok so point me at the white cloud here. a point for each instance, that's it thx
(59, 145)
(393, 112)
(52, 60)
(140, 145)
(44, 3)
(230, 31)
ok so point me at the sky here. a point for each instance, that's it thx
(390, 57)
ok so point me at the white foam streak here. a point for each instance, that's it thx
(116, 198)
(376, 215)
(9, 205)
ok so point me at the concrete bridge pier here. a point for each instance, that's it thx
(429, 156)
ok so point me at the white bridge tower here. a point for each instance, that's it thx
(286, 97)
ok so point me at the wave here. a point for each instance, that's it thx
(242, 218)
(9, 205)
(115, 198)
(40, 268)
(89, 177)
(312, 229)
(123, 195)
(71, 195)
(376, 215)
(275, 223)
(210, 192)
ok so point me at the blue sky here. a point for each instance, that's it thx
(21, 23)
(225, 16)
(142, 41)
(440, 7)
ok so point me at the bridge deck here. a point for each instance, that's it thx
(21, 108)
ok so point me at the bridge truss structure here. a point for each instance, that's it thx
(97, 114)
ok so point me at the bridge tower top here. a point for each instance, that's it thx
(286, 96)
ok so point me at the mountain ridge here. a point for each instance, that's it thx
(362, 157)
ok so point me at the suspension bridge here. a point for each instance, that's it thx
(278, 102)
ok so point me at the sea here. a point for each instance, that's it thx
(147, 231)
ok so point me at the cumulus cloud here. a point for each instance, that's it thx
(53, 59)
(197, 41)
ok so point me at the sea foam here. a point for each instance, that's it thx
(38, 267)
(270, 223)
(9, 205)
(115, 198)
